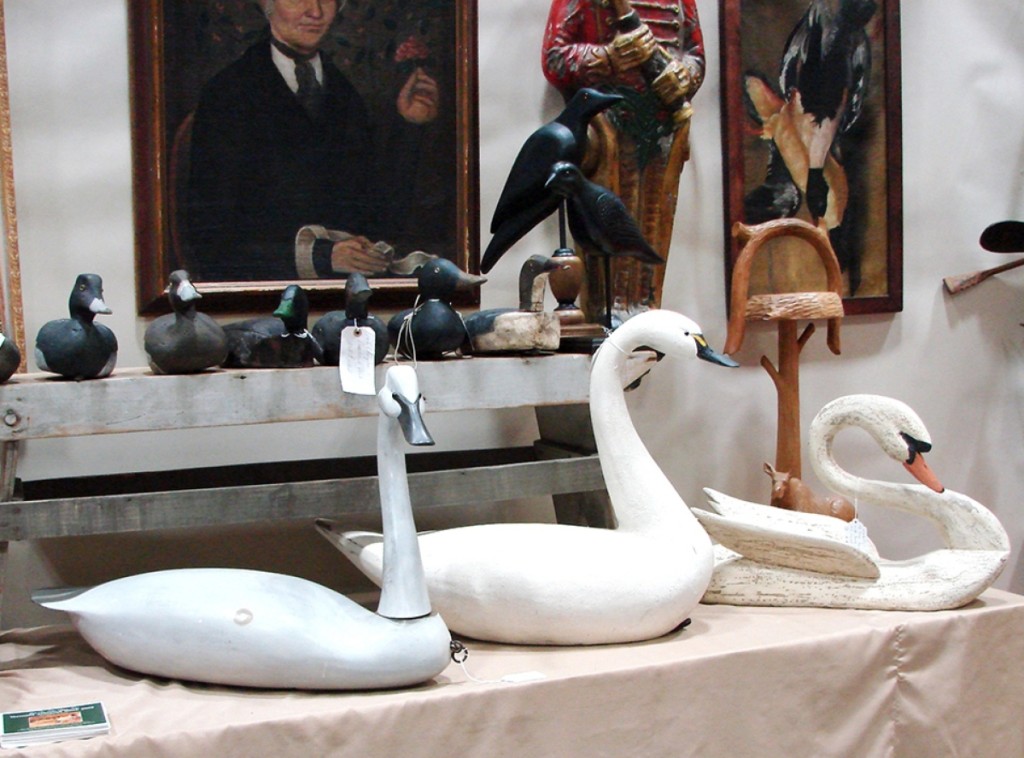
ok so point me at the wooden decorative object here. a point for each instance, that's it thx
(786, 308)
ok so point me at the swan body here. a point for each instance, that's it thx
(571, 585)
(767, 556)
(259, 629)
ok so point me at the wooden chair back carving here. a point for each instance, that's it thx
(788, 305)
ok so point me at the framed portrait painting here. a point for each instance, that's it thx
(812, 130)
(293, 141)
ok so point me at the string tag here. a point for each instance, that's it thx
(460, 653)
(355, 364)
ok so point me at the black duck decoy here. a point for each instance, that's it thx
(277, 341)
(77, 347)
(433, 327)
(600, 223)
(185, 341)
(10, 358)
(525, 200)
(327, 330)
(527, 328)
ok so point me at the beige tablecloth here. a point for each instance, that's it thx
(738, 682)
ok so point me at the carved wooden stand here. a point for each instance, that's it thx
(785, 308)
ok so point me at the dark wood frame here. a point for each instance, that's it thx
(735, 121)
(152, 201)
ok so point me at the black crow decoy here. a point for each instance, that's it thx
(525, 201)
(599, 222)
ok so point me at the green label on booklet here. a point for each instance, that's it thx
(52, 724)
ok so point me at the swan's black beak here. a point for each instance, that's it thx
(706, 353)
(411, 421)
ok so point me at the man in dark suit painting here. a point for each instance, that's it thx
(283, 178)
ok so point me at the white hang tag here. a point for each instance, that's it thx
(355, 364)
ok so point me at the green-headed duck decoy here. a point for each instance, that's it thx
(523, 329)
(525, 200)
(277, 341)
(327, 330)
(433, 327)
(77, 347)
(185, 341)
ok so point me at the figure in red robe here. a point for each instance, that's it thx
(653, 54)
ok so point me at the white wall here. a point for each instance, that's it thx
(959, 362)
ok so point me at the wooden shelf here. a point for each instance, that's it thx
(38, 406)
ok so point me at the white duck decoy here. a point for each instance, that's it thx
(571, 585)
(259, 629)
(768, 556)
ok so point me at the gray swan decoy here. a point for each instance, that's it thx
(259, 629)
(184, 341)
(77, 347)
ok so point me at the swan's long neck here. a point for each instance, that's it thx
(642, 496)
(963, 522)
(403, 591)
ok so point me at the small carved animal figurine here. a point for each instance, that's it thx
(185, 341)
(278, 341)
(526, 200)
(791, 493)
(327, 330)
(76, 347)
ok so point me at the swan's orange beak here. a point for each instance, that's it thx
(923, 473)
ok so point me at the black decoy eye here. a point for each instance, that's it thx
(915, 446)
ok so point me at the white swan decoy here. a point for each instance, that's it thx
(259, 629)
(571, 585)
(769, 556)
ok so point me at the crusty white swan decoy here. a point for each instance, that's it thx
(258, 629)
(572, 585)
(768, 556)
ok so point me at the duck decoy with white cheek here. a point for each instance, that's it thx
(277, 341)
(258, 629)
(556, 584)
(433, 328)
(78, 347)
(768, 556)
(328, 328)
(528, 328)
(184, 341)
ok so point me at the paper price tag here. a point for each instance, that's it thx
(356, 360)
